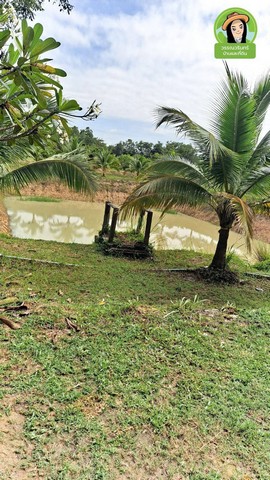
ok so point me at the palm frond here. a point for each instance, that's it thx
(262, 206)
(70, 172)
(244, 218)
(258, 183)
(234, 119)
(262, 97)
(13, 155)
(261, 154)
(209, 146)
(163, 193)
(179, 167)
(204, 140)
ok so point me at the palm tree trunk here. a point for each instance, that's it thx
(219, 259)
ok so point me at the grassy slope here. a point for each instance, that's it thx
(166, 379)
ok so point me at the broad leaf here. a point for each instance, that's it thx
(43, 46)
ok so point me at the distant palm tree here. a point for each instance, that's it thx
(124, 162)
(233, 171)
(139, 165)
(104, 159)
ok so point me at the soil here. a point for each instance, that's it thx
(117, 192)
(15, 451)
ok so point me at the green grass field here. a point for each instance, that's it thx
(123, 370)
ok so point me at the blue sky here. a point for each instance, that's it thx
(133, 55)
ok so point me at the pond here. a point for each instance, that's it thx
(79, 222)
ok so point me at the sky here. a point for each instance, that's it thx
(135, 55)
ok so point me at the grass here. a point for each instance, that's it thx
(167, 377)
(39, 199)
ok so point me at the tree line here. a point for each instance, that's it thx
(126, 156)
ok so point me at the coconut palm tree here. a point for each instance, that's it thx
(104, 159)
(232, 173)
(139, 164)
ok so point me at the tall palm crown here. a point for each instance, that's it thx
(233, 169)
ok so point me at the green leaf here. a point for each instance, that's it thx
(13, 54)
(68, 105)
(28, 35)
(41, 98)
(24, 27)
(65, 125)
(49, 80)
(59, 97)
(38, 30)
(43, 46)
(17, 78)
(60, 73)
(4, 36)
(21, 61)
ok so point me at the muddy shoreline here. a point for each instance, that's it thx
(116, 192)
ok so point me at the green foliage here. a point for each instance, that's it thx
(150, 150)
(262, 252)
(28, 8)
(138, 165)
(104, 160)
(124, 162)
(264, 265)
(231, 169)
(31, 99)
(33, 111)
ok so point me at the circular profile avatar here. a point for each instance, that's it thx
(235, 26)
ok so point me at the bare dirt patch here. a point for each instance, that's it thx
(115, 191)
(180, 457)
(15, 450)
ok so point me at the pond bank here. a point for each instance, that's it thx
(116, 192)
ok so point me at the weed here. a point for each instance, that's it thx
(262, 253)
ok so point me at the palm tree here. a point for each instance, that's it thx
(138, 165)
(232, 173)
(124, 162)
(104, 159)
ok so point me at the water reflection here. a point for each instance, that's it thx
(70, 228)
(177, 237)
(79, 222)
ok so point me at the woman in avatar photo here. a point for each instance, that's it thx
(236, 27)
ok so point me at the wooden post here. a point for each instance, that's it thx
(148, 227)
(113, 224)
(140, 222)
(106, 218)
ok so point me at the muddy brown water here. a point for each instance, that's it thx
(78, 222)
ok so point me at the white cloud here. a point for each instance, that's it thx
(163, 55)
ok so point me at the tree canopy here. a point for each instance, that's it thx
(31, 97)
(33, 110)
(28, 8)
